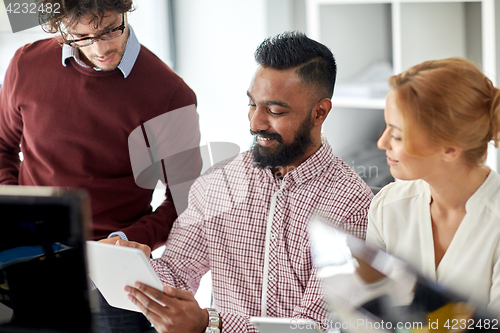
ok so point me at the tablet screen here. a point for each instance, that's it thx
(113, 267)
(284, 325)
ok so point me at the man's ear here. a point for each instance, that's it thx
(321, 111)
(451, 153)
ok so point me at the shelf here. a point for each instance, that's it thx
(402, 33)
(363, 2)
(434, 1)
(347, 2)
(358, 103)
(462, 36)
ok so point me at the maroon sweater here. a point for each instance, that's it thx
(73, 125)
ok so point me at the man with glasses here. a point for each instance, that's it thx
(74, 114)
(101, 55)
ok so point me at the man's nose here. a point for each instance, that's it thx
(100, 47)
(258, 119)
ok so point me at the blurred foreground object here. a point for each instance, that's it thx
(370, 290)
(43, 275)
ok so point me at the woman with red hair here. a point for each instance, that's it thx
(444, 216)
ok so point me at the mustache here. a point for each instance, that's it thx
(266, 135)
(107, 54)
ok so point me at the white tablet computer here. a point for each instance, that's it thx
(285, 325)
(113, 267)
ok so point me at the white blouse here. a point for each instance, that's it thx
(399, 222)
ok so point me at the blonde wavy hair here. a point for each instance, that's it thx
(450, 101)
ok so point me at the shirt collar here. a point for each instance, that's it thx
(484, 192)
(314, 165)
(126, 64)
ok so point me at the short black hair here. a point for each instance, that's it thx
(314, 62)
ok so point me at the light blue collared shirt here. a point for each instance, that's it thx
(130, 55)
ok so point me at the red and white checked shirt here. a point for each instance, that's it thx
(250, 229)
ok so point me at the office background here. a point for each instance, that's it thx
(210, 44)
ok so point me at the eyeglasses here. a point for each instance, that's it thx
(82, 42)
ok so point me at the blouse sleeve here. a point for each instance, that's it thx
(494, 304)
(374, 234)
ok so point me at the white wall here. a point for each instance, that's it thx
(10, 42)
(150, 23)
(215, 43)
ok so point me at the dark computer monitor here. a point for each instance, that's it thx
(43, 276)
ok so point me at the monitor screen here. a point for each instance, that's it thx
(43, 279)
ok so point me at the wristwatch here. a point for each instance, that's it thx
(213, 321)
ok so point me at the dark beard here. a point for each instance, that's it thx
(282, 155)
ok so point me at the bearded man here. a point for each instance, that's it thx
(247, 218)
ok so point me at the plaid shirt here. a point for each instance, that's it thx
(250, 229)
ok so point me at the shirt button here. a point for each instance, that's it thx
(280, 194)
(271, 278)
(273, 236)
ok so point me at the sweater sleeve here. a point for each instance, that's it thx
(11, 125)
(181, 170)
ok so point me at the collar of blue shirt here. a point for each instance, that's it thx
(126, 64)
